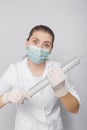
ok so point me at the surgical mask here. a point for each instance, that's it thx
(37, 55)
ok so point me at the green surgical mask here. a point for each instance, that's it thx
(37, 55)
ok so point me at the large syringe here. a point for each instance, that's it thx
(44, 83)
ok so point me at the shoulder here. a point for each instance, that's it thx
(19, 65)
(14, 68)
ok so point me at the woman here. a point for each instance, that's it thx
(42, 111)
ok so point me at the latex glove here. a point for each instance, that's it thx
(57, 81)
(15, 95)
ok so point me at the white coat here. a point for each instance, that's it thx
(42, 111)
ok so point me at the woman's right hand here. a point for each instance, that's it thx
(15, 95)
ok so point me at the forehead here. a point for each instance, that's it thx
(42, 35)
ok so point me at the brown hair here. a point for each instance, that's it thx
(42, 28)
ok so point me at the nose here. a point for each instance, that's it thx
(40, 45)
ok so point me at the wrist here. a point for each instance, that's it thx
(60, 90)
(5, 99)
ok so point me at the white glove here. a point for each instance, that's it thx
(15, 95)
(57, 81)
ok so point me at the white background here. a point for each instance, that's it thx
(68, 19)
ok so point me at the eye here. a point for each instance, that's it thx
(35, 41)
(47, 45)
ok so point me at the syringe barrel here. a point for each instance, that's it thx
(37, 87)
(70, 64)
(44, 83)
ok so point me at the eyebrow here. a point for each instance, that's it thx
(39, 40)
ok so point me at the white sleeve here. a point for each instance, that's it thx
(72, 89)
(8, 79)
(4, 86)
